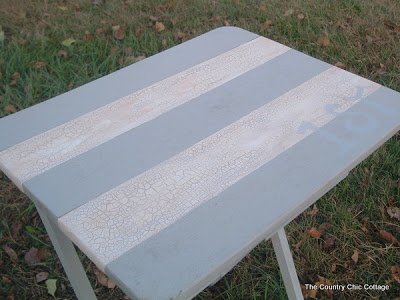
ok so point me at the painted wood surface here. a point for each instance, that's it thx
(241, 138)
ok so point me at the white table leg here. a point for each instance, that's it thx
(286, 265)
(69, 259)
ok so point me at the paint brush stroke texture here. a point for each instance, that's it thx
(108, 226)
(51, 148)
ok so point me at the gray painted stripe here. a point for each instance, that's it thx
(223, 230)
(63, 108)
(89, 175)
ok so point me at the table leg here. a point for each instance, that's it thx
(286, 265)
(69, 259)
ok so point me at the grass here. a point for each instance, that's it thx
(363, 35)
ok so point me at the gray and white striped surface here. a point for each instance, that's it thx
(167, 172)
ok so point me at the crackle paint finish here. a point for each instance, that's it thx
(205, 138)
(113, 223)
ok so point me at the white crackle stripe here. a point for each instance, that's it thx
(116, 221)
(51, 148)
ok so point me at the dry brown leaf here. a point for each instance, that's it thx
(63, 8)
(314, 232)
(139, 58)
(179, 35)
(393, 212)
(42, 253)
(15, 228)
(12, 83)
(23, 42)
(396, 273)
(16, 75)
(5, 279)
(389, 237)
(227, 23)
(39, 65)
(62, 53)
(265, 24)
(88, 36)
(300, 16)
(153, 18)
(392, 26)
(41, 276)
(314, 211)
(288, 12)
(169, 4)
(130, 59)
(10, 108)
(31, 256)
(323, 41)
(11, 253)
(114, 49)
(324, 227)
(365, 229)
(340, 65)
(354, 257)
(329, 242)
(298, 245)
(139, 32)
(103, 279)
(119, 34)
(159, 26)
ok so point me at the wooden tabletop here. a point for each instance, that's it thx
(169, 171)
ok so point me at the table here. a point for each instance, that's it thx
(169, 171)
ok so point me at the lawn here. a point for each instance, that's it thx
(48, 47)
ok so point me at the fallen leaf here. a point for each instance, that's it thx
(369, 39)
(169, 4)
(396, 273)
(39, 65)
(300, 16)
(160, 26)
(153, 18)
(103, 279)
(31, 256)
(340, 65)
(139, 58)
(41, 276)
(325, 282)
(130, 59)
(323, 41)
(51, 285)
(62, 53)
(265, 24)
(43, 253)
(329, 242)
(14, 82)
(389, 237)
(314, 232)
(114, 49)
(139, 32)
(68, 42)
(16, 75)
(313, 293)
(298, 245)
(88, 36)
(179, 35)
(23, 42)
(354, 257)
(324, 227)
(119, 34)
(288, 12)
(5, 279)
(62, 7)
(11, 253)
(10, 108)
(393, 212)
(392, 25)
(15, 228)
(227, 23)
(314, 211)
(365, 229)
